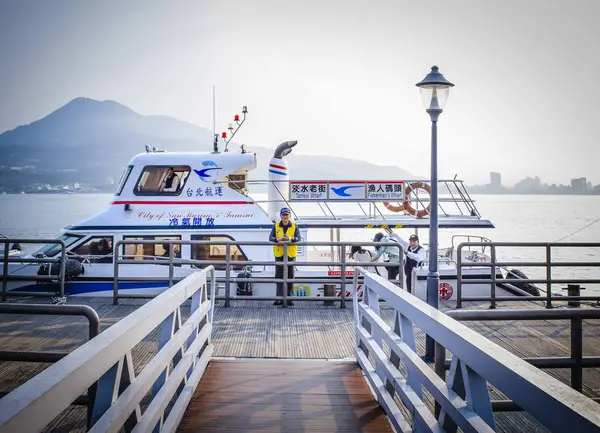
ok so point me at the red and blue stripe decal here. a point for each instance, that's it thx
(278, 169)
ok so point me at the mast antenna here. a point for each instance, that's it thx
(239, 122)
(215, 135)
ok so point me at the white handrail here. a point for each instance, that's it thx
(464, 400)
(107, 360)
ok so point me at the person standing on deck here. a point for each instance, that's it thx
(393, 253)
(285, 231)
(360, 254)
(414, 253)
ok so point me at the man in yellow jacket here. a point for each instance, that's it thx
(285, 231)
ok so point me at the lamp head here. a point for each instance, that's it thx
(434, 90)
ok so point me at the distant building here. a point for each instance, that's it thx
(495, 180)
(579, 185)
(529, 185)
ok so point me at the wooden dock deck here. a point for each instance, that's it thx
(255, 329)
(283, 396)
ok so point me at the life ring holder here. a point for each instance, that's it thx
(406, 204)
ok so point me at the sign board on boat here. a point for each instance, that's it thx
(308, 191)
(383, 190)
(364, 190)
(350, 191)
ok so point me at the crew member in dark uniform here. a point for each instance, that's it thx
(413, 253)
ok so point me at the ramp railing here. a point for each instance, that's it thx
(173, 374)
(576, 361)
(395, 369)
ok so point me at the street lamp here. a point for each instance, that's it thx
(434, 94)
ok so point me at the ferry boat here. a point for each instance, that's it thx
(174, 196)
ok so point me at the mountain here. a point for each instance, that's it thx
(89, 142)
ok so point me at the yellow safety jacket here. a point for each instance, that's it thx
(292, 250)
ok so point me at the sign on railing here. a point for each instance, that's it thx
(368, 190)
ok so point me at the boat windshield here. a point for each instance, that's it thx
(53, 249)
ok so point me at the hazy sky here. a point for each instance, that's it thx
(337, 76)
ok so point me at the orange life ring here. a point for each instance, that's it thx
(407, 207)
(393, 208)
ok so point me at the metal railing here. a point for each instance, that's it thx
(482, 239)
(548, 264)
(576, 361)
(173, 373)
(453, 194)
(28, 356)
(228, 279)
(6, 277)
(464, 400)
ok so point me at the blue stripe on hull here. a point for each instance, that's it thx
(77, 288)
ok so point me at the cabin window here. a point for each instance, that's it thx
(53, 249)
(162, 180)
(123, 179)
(97, 249)
(156, 251)
(217, 252)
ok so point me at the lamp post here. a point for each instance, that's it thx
(434, 94)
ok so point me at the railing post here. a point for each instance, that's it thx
(577, 353)
(548, 276)
(440, 370)
(171, 257)
(227, 275)
(5, 271)
(355, 300)
(93, 331)
(285, 274)
(63, 259)
(493, 283)
(213, 294)
(401, 268)
(116, 273)
(459, 277)
(343, 275)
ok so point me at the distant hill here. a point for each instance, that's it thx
(89, 142)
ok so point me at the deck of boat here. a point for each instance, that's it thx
(256, 329)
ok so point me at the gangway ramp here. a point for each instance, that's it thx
(277, 395)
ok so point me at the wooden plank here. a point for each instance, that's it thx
(327, 396)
